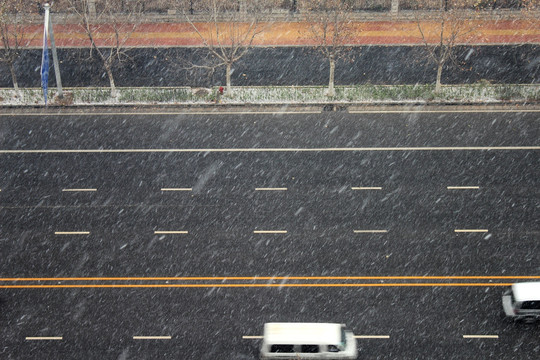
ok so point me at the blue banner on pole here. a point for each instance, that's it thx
(45, 65)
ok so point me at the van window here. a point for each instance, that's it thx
(309, 348)
(530, 305)
(278, 348)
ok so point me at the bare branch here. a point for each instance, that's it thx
(226, 33)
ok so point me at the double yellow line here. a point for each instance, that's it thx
(261, 281)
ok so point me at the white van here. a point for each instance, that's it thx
(307, 341)
(522, 301)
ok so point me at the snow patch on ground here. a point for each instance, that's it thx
(383, 94)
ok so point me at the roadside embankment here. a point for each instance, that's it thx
(346, 96)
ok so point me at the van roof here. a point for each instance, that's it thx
(302, 333)
(526, 291)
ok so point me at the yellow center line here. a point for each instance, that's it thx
(366, 188)
(170, 232)
(471, 230)
(78, 190)
(72, 233)
(270, 189)
(221, 285)
(480, 336)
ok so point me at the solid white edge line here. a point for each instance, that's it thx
(152, 337)
(270, 231)
(238, 150)
(170, 113)
(442, 111)
(471, 230)
(44, 338)
(480, 336)
(72, 233)
(372, 336)
(406, 111)
(161, 232)
(252, 337)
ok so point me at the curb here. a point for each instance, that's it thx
(285, 107)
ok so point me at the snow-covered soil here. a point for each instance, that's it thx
(381, 94)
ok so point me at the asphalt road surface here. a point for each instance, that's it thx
(506, 64)
(176, 236)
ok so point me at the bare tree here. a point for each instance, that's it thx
(109, 24)
(530, 11)
(330, 30)
(12, 34)
(441, 31)
(227, 32)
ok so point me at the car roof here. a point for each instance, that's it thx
(526, 291)
(302, 333)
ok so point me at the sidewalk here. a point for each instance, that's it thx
(289, 33)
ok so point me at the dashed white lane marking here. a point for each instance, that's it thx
(31, 338)
(72, 233)
(372, 336)
(480, 336)
(271, 189)
(78, 190)
(248, 150)
(463, 187)
(370, 231)
(161, 232)
(152, 337)
(252, 337)
(366, 188)
(176, 189)
(471, 230)
(270, 231)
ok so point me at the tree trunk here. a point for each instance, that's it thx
(439, 74)
(14, 77)
(228, 75)
(331, 90)
(242, 6)
(394, 7)
(111, 80)
(92, 8)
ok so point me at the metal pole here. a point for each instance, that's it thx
(55, 56)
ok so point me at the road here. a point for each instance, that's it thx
(175, 235)
(285, 66)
